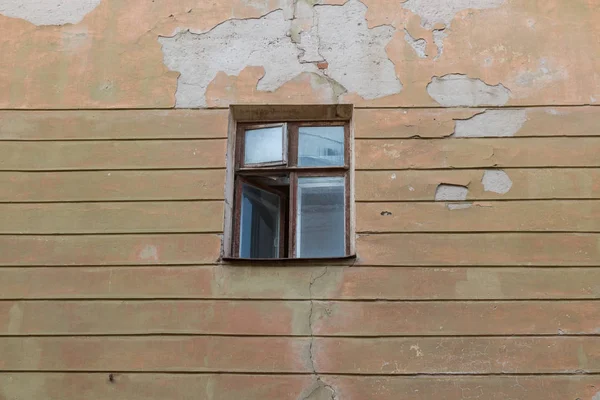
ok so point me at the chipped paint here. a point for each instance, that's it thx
(418, 45)
(496, 181)
(230, 47)
(339, 47)
(491, 123)
(149, 253)
(457, 90)
(356, 54)
(438, 39)
(446, 192)
(459, 206)
(434, 12)
(48, 12)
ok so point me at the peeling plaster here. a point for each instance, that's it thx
(48, 12)
(351, 57)
(496, 181)
(461, 206)
(436, 13)
(418, 45)
(356, 54)
(438, 39)
(543, 76)
(230, 47)
(596, 396)
(457, 90)
(445, 192)
(433, 12)
(491, 123)
(149, 253)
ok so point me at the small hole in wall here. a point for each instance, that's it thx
(386, 213)
(111, 378)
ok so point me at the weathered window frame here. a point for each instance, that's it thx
(239, 173)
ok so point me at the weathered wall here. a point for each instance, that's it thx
(477, 188)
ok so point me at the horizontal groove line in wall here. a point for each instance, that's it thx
(357, 138)
(510, 106)
(476, 168)
(115, 169)
(324, 260)
(159, 335)
(365, 233)
(450, 137)
(291, 105)
(296, 300)
(308, 373)
(486, 200)
(115, 233)
(291, 264)
(409, 232)
(192, 200)
(115, 139)
(165, 200)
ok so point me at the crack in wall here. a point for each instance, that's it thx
(321, 390)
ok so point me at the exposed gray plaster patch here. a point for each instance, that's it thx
(491, 123)
(149, 253)
(445, 192)
(356, 54)
(418, 45)
(444, 11)
(596, 396)
(230, 47)
(309, 47)
(438, 39)
(456, 90)
(496, 181)
(319, 391)
(48, 12)
(459, 206)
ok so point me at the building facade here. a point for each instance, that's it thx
(470, 266)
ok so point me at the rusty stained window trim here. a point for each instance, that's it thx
(288, 219)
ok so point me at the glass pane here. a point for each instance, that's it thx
(264, 145)
(320, 226)
(259, 226)
(320, 146)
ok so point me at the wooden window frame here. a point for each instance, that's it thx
(288, 219)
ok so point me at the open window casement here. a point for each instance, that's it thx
(291, 192)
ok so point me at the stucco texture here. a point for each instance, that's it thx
(192, 53)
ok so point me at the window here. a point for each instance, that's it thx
(291, 190)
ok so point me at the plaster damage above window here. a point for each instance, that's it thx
(48, 12)
(434, 12)
(354, 55)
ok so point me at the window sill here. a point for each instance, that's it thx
(345, 260)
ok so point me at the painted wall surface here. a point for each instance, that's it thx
(477, 201)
